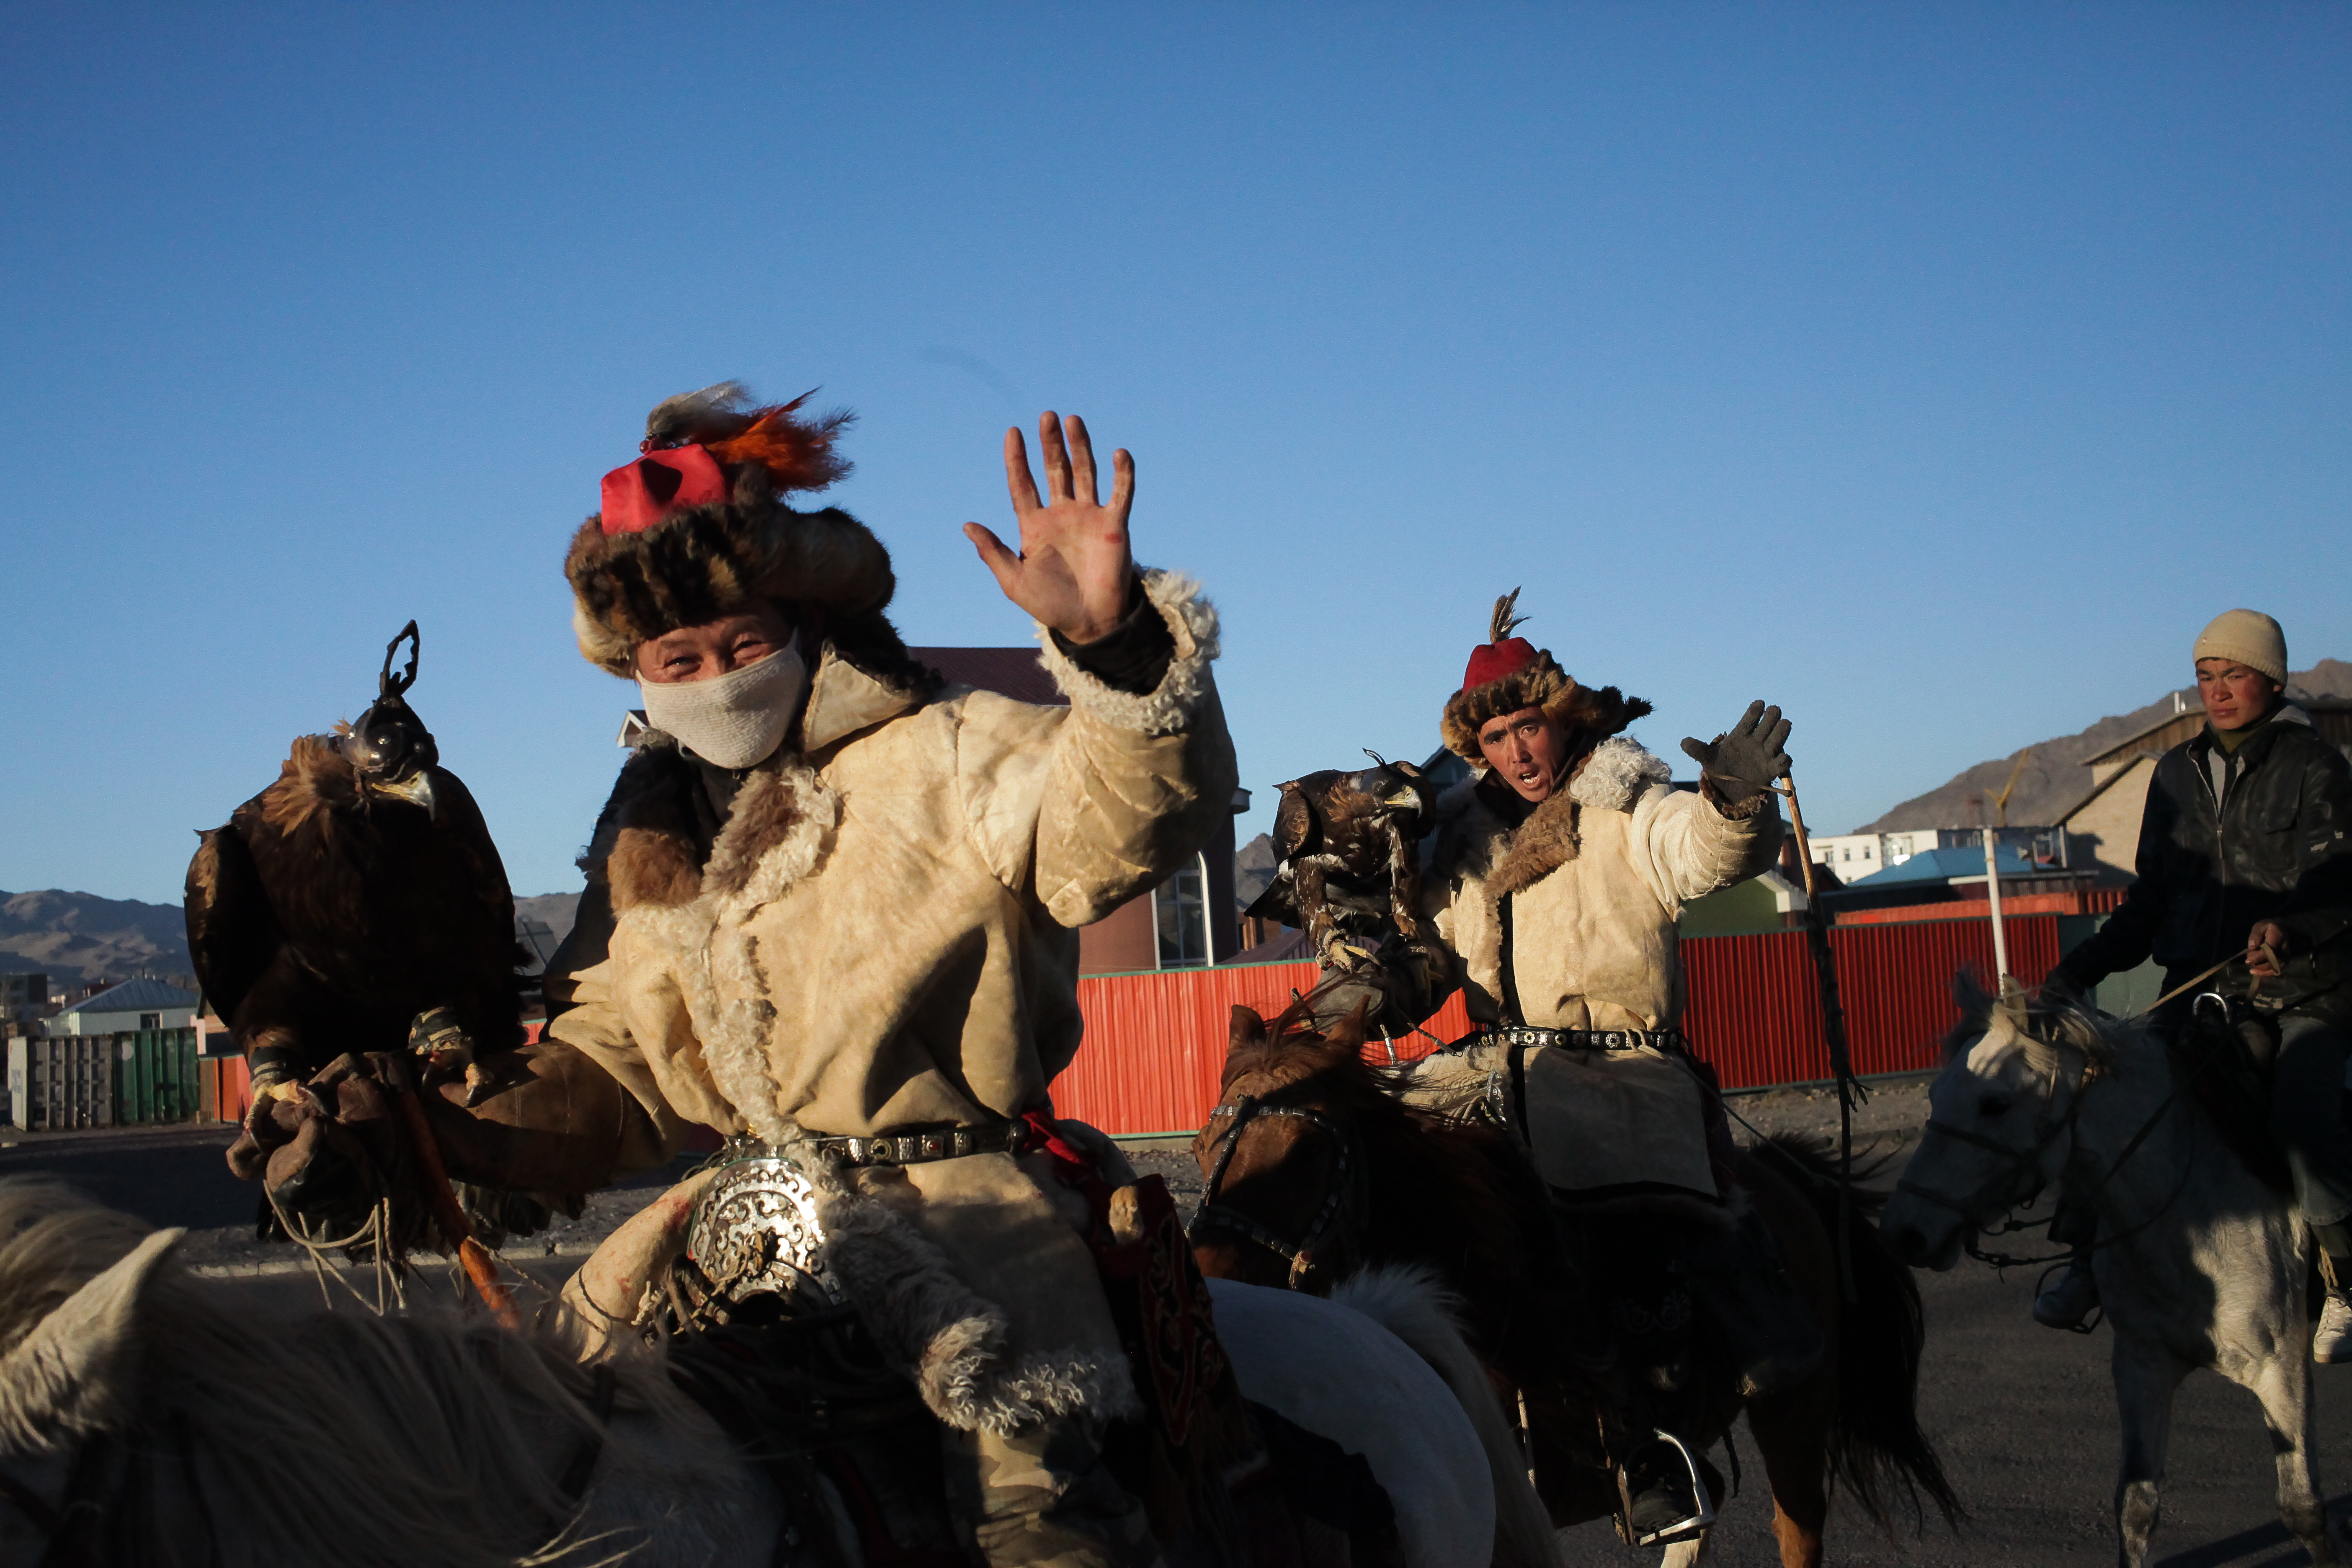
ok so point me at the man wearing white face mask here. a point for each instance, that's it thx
(833, 910)
(833, 907)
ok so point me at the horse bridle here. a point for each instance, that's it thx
(2028, 1164)
(70, 1523)
(1214, 1215)
(2010, 1178)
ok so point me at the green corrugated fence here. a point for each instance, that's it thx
(154, 1077)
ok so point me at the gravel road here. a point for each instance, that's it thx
(2024, 1417)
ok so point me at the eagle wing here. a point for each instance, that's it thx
(1298, 819)
(232, 932)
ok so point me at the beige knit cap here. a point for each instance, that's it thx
(2251, 637)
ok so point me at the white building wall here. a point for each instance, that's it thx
(1852, 856)
(77, 1022)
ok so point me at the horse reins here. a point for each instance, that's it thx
(1223, 1216)
(2027, 1162)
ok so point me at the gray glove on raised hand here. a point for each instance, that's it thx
(1744, 762)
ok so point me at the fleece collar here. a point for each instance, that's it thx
(1612, 776)
(844, 700)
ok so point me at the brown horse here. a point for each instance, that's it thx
(1316, 1169)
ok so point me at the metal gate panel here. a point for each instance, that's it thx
(156, 1076)
(62, 1082)
(1155, 1042)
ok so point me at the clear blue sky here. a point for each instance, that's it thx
(1933, 370)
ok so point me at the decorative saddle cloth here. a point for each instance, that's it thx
(1592, 1117)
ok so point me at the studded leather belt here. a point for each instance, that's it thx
(1526, 1037)
(920, 1148)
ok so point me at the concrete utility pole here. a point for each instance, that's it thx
(1999, 931)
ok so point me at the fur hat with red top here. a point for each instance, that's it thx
(696, 526)
(1509, 673)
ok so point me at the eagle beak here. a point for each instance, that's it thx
(416, 791)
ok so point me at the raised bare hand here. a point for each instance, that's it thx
(1074, 569)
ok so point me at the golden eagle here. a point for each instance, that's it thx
(358, 892)
(1349, 866)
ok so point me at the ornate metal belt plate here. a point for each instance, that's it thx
(755, 1230)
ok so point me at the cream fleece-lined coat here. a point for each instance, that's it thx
(1596, 877)
(884, 936)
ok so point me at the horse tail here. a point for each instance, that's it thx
(1408, 1301)
(1875, 1446)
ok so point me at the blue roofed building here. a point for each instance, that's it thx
(2027, 859)
(142, 1003)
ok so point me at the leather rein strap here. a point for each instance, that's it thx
(2025, 1162)
(1223, 1216)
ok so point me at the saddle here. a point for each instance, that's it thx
(2221, 1054)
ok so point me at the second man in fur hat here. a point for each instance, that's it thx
(1556, 875)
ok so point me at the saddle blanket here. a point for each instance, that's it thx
(1593, 1119)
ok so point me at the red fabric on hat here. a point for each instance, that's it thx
(639, 494)
(1494, 660)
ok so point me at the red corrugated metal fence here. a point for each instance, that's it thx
(1155, 1043)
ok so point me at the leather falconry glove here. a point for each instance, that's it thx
(1744, 762)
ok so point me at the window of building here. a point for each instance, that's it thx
(151, 1020)
(1180, 915)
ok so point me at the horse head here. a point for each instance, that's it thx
(1281, 1155)
(2000, 1121)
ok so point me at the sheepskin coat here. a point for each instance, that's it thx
(1594, 879)
(1596, 876)
(883, 936)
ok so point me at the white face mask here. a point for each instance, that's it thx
(732, 720)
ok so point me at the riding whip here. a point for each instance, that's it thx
(451, 1217)
(1850, 1089)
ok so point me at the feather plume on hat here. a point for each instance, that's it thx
(1509, 673)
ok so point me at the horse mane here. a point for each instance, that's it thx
(413, 1434)
(2048, 1020)
(1286, 1050)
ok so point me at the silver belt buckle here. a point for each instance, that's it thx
(755, 1230)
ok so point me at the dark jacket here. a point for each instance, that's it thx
(2269, 845)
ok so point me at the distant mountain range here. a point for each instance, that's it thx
(76, 938)
(2058, 774)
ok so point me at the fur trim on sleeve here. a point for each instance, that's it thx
(1193, 620)
(948, 1338)
(1617, 773)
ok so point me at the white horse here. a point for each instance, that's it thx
(142, 1419)
(2198, 1262)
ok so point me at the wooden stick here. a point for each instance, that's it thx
(1817, 939)
(481, 1266)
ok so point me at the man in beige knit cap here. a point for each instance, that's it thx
(2243, 853)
